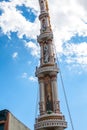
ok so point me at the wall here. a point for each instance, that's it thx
(15, 124)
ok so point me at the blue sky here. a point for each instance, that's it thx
(19, 56)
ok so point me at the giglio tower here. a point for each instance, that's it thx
(50, 117)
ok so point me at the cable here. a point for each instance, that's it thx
(64, 91)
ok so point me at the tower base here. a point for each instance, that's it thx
(51, 122)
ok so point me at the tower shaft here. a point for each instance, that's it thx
(50, 117)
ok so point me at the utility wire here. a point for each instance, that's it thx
(66, 100)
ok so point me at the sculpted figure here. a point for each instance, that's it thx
(46, 55)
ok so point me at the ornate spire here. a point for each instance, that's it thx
(50, 116)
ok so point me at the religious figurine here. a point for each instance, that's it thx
(46, 55)
(44, 26)
(42, 6)
(48, 103)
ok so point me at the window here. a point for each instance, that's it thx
(1, 126)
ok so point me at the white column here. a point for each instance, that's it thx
(41, 91)
(42, 96)
(54, 86)
(41, 52)
(55, 93)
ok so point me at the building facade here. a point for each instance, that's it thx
(10, 122)
(50, 117)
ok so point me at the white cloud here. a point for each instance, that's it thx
(13, 21)
(34, 48)
(76, 49)
(24, 75)
(68, 18)
(75, 55)
(15, 55)
(34, 79)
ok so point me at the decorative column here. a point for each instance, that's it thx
(55, 92)
(41, 53)
(42, 96)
